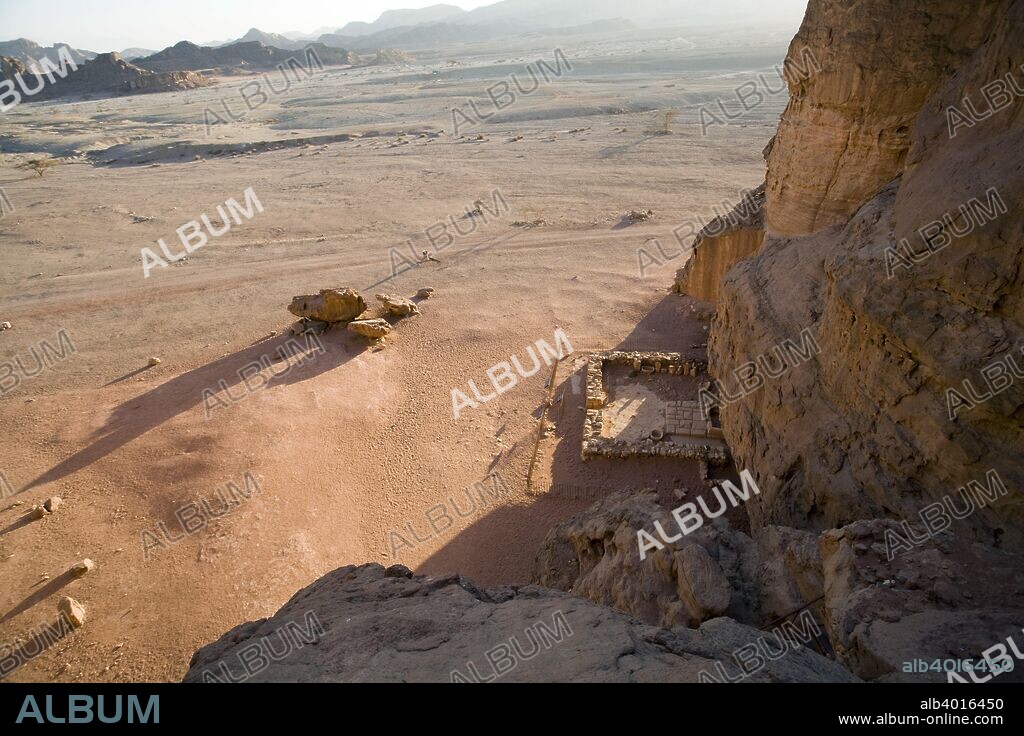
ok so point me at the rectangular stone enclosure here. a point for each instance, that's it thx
(645, 404)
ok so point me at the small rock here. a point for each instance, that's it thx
(153, 362)
(37, 512)
(79, 569)
(425, 293)
(374, 329)
(72, 611)
(398, 571)
(6, 326)
(398, 306)
(52, 504)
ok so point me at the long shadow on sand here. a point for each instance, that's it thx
(574, 484)
(137, 416)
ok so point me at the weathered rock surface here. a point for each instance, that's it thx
(720, 245)
(709, 573)
(374, 329)
(241, 57)
(10, 68)
(330, 305)
(108, 75)
(790, 573)
(863, 430)
(398, 306)
(946, 598)
(848, 127)
(373, 625)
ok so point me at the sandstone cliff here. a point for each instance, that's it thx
(894, 234)
(864, 430)
(720, 245)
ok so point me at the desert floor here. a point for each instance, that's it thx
(359, 441)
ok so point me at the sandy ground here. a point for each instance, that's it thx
(358, 442)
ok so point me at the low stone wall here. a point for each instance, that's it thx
(594, 445)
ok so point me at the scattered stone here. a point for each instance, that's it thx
(80, 569)
(72, 611)
(37, 512)
(52, 504)
(640, 215)
(6, 326)
(374, 329)
(330, 305)
(425, 293)
(153, 362)
(398, 306)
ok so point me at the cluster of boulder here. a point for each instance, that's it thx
(320, 312)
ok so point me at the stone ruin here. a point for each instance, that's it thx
(635, 414)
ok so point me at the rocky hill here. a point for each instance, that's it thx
(109, 75)
(31, 53)
(249, 55)
(10, 67)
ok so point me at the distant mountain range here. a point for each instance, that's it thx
(31, 54)
(541, 14)
(245, 55)
(436, 27)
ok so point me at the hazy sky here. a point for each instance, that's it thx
(109, 25)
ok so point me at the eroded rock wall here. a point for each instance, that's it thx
(720, 245)
(860, 72)
(864, 429)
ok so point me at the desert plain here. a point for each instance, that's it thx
(352, 445)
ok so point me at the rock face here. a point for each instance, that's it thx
(864, 429)
(893, 237)
(109, 75)
(849, 126)
(368, 624)
(790, 574)
(30, 54)
(721, 244)
(330, 305)
(944, 599)
(11, 67)
(709, 573)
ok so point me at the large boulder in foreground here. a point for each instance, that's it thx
(707, 574)
(330, 305)
(368, 624)
(891, 604)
